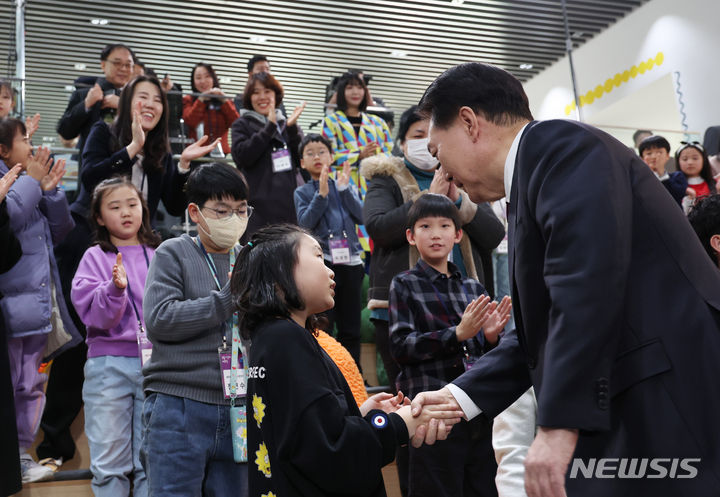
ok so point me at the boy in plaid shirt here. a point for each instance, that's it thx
(435, 319)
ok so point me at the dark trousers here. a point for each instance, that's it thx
(382, 343)
(10, 479)
(64, 389)
(461, 466)
(348, 306)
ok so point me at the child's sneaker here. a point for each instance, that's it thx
(32, 471)
(51, 463)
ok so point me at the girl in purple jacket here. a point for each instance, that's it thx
(107, 292)
(34, 313)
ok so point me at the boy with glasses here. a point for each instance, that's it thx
(331, 209)
(187, 446)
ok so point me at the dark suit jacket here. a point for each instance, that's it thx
(77, 121)
(616, 311)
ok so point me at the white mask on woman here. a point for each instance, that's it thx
(418, 155)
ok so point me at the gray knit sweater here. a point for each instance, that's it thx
(186, 317)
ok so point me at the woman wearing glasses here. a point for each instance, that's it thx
(265, 148)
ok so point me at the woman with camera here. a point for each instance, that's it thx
(212, 112)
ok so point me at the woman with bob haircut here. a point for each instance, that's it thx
(265, 148)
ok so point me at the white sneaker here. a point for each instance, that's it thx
(32, 471)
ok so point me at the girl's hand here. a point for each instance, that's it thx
(368, 150)
(31, 124)
(323, 187)
(196, 150)
(39, 165)
(119, 276)
(292, 120)
(8, 179)
(497, 320)
(51, 180)
(344, 179)
(384, 401)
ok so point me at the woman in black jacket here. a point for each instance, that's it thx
(265, 148)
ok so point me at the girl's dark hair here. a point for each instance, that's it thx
(433, 205)
(350, 78)
(146, 236)
(208, 68)
(9, 127)
(263, 282)
(408, 118)
(268, 81)
(706, 171)
(157, 141)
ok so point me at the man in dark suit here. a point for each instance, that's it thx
(616, 303)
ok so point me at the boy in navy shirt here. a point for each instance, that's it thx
(435, 319)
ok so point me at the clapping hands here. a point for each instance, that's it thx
(40, 167)
(119, 276)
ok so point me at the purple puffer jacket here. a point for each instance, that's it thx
(39, 220)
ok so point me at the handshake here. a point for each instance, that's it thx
(429, 417)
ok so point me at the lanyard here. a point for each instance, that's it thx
(232, 324)
(132, 300)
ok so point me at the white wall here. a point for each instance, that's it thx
(683, 35)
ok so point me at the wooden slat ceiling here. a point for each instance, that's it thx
(308, 42)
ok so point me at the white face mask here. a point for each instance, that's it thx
(418, 155)
(225, 233)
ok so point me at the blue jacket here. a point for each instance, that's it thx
(324, 216)
(39, 219)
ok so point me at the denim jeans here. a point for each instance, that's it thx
(502, 283)
(113, 398)
(187, 449)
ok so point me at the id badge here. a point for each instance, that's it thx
(238, 425)
(226, 371)
(281, 161)
(144, 347)
(469, 362)
(339, 250)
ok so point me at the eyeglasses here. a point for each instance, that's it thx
(224, 212)
(121, 64)
(311, 155)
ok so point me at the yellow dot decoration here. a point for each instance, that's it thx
(616, 81)
(258, 409)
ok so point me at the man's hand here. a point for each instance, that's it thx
(110, 102)
(547, 462)
(435, 429)
(93, 96)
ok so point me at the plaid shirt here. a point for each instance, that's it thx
(425, 307)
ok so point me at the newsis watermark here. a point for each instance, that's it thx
(633, 468)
